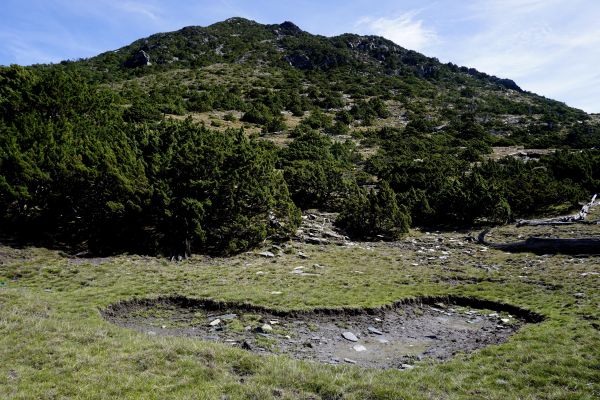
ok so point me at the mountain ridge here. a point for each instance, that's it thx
(378, 47)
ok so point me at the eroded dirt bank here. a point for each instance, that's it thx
(393, 336)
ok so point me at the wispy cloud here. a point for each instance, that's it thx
(548, 46)
(405, 29)
(142, 9)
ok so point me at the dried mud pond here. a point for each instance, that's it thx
(392, 336)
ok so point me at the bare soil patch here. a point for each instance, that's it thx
(392, 336)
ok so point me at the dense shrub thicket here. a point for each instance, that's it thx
(72, 170)
(90, 167)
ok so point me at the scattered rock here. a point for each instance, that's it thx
(315, 240)
(407, 366)
(276, 293)
(265, 328)
(350, 336)
(246, 345)
(359, 348)
(227, 317)
(215, 322)
(374, 330)
(260, 273)
(302, 255)
(383, 341)
(349, 361)
(266, 254)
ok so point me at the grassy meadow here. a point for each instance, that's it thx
(54, 344)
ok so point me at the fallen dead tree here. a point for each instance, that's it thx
(579, 218)
(537, 245)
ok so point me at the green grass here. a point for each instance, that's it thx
(54, 343)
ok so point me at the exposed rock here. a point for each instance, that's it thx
(139, 59)
(374, 330)
(266, 254)
(288, 28)
(215, 322)
(246, 345)
(299, 60)
(359, 348)
(349, 361)
(227, 317)
(302, 255)
(350, 336)
(266, 328)
(315, 240)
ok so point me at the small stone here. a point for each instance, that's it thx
(349, 361)
(350, 336)
(164, 327)
(228, 317)
(273, 322)
(266, 328)
(579, 295)
(505, 320)
(266, 254)
(260, 273)
(302, 255)
(407, 366)
(215, 322)
(590, 273)
(151, 333)
(378, 319)
(359, 348)
(275, 293)
(383, 341)
(246, 345)
(374, 330)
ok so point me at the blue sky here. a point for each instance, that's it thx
(550, 47)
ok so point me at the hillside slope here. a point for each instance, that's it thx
(212, 139)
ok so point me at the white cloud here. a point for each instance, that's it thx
(405, 30)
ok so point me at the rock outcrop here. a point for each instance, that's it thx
(139, 59)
